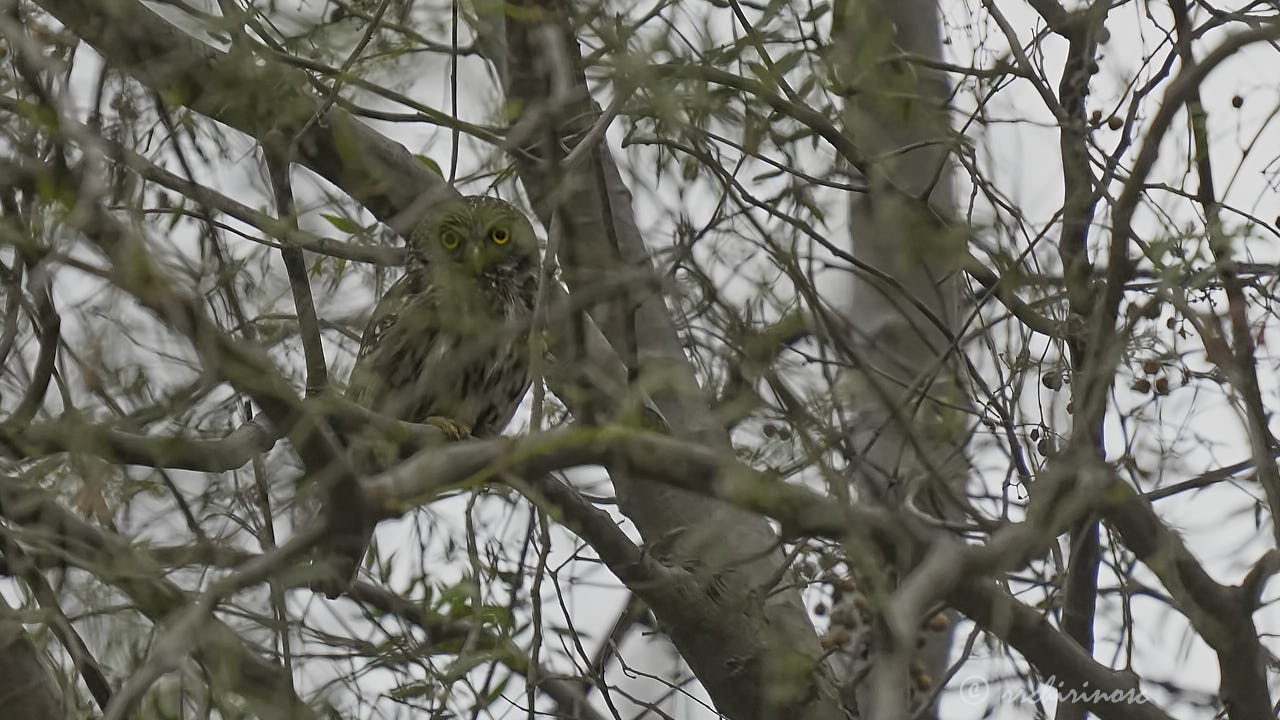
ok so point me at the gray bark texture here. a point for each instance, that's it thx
(910, 370)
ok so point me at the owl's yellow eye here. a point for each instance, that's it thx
(450, 240)
(499, 236)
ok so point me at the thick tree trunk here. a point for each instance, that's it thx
(908, 373)
(751, 644)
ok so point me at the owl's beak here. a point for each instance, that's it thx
(476, 260)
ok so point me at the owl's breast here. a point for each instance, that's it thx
(470, 367)
(454, 349)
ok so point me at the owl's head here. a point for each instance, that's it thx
(477, 237)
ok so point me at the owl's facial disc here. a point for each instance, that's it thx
(477, 237)
(477, 250)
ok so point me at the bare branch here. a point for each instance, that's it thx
(279, 155)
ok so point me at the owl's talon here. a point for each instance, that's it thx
(452, 428)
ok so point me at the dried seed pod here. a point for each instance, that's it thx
(1162, 385)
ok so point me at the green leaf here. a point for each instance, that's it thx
(413, 691)
(807, 85)
(818, 11)
(346, 225)
(498, 616)
(788, 62)
(494, 693)
(754, 129)
(770, 11)
(432, 165)
(761, 72)
(505, 174)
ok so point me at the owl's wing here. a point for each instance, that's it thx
(384, 317)
(401, 339)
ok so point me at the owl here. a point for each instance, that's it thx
(448, 343)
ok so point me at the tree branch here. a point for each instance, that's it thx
(113, 560)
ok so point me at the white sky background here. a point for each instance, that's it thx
(1175, 438)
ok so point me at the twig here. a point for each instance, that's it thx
(278, 159)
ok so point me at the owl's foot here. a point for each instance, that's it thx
(452, 428)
